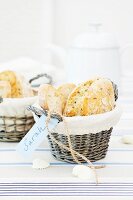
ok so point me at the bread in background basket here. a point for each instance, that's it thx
(16, 94)
(14, 85)
(90, 112)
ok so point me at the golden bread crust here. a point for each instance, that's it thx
(55, 101)
(19, 87)
(76, 98)
(42, 95)
(51, 99)
(16, 88)
(5, 89)
(92, 97)
(66, 89)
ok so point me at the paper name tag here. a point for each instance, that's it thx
(35, 136)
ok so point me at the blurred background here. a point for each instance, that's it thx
(27, 26)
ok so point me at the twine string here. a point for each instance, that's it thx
(73, 152)
(69, 142)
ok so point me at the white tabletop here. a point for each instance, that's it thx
(17, 178)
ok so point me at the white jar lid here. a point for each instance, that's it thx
(95, 39)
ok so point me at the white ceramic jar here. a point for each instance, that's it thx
(94, 53)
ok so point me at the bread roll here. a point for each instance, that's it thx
(10, 76)
(66, 89)
(19, 86)
(5, 89)
(51, 99)
(92, 97)
(101, 97)
(42, 95)
(55, 101)
(75, 102)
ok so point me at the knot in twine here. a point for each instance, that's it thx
(73, 152)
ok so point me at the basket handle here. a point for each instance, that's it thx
(115, 90)
(39, 112)
(1, 99)
(50, 80)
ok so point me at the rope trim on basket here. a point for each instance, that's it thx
(73, 152)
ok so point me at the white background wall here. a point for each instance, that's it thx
(73, 16)
(26, 26)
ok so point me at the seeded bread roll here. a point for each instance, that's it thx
(101, 97)
(66, 89)
(92, 97)
(10, 76)
(18, 84)
(51, 99)
(55, 101)
(76, 102)
(42, 95)
(5, 89)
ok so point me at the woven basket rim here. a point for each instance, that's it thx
(16, 117)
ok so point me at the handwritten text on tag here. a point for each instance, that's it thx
(35, 136)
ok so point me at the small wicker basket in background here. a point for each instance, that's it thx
(13, 129)
(15, 120)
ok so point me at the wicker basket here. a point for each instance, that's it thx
(13, 129)
(15, 120)
(92, 146)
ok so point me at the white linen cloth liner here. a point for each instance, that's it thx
(16, 107)
(79, 125)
